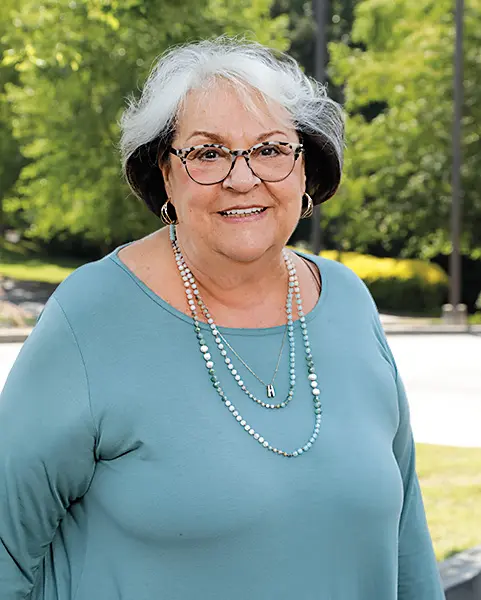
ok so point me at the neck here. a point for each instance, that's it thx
(244, 293)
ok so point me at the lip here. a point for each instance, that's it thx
(244, 219)
(241, 208)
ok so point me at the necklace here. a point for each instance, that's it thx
(270, 389)
(218, 338)
(192, 292)
(232, 369)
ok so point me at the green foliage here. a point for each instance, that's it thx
(11, 159)
(36, 269)
(76, 61)
(302, 26)
(478, 302)
(303, 30)
(402, 285)
(398, 285)
(26, 261)
(398, 164)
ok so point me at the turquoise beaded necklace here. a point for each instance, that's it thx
(194, 298)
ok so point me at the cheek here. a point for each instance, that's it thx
(290, 193)
(176, 180)
(189, 197)
(291, 200)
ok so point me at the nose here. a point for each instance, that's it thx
(241, 178)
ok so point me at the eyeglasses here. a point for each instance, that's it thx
(208, 164)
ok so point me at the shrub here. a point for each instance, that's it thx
(399, 285)
(409, 285)
(477, 304)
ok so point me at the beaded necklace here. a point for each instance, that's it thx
(194, 298)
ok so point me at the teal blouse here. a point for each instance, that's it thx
(124, 477)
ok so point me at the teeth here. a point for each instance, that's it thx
(243, 211)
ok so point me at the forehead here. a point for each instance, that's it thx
(231, 113)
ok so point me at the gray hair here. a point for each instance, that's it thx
(148, 125)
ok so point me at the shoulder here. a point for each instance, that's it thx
(349, 305)
(341, 280)
(91, 280)
(91, 290)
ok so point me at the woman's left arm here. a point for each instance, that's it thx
(418, 576)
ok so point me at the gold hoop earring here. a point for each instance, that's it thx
(307, 212)
(164, 214)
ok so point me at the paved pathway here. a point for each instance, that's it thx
(8, 354)
(442, 374)
(29, 295)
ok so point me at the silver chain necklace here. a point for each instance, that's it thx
(270, 389)
(193, 298)
(218, 338)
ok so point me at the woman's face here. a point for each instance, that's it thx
(220, 117)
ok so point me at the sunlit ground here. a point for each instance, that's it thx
(450, 480)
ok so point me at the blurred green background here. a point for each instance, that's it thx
(67, 68)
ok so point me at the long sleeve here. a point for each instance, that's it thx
(418, 572)
(47, 446)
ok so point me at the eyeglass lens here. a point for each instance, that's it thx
(212, 165)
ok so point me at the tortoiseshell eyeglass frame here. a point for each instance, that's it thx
(182, 153)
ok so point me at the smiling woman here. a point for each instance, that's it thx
(208, 179)
(203, 413)
(258, 76)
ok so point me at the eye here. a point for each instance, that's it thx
(210, 154)
(269, 151)
(274, 150)
(207, 154)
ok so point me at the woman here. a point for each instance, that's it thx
(161, 433)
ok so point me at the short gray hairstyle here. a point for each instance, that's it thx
(148, 125)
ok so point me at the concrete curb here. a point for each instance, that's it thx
(18, 335)
(461, 575)
(14, 335)
(393, 328)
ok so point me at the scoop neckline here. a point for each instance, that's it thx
(276, 329)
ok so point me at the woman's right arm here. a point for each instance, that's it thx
(47, 447)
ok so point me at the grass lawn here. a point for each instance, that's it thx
(21, 261)
(450, 479)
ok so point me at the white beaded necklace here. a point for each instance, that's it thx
(220, 341)
(193, 298)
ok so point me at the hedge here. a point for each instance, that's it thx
(399, 285)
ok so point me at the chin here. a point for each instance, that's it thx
(247, 251)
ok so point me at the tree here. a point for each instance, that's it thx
(302, 28)
(12, 160)
(77, 61)
(398, 160)
(302, 37)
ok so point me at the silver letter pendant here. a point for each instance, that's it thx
(271, 392)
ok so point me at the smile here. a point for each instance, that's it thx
(242, 212)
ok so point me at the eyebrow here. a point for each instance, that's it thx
(218, 139)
